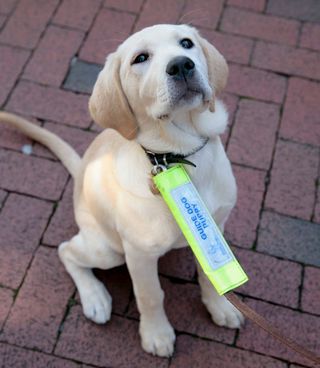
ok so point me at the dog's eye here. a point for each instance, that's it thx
(141, 58)
(186, 43)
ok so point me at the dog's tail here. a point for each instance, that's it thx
(68, 156)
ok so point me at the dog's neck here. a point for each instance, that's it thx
(183, 132)
(167, 158)
(177, 135)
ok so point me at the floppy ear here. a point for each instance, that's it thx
(217, 68)
(108, 103)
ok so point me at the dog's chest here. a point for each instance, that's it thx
(146, 221)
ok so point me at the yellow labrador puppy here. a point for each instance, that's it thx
(158, 93)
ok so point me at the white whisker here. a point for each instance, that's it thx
(194, 16)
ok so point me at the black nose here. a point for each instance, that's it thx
(181, 67)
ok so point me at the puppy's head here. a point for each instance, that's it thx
(155, 73)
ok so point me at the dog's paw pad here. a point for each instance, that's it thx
(96, 304)
(225, 314)
(158, 339)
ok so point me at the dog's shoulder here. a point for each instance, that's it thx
(111, 158)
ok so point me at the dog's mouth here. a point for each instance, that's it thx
(190, 93)
(185, 94)
(187, 91)
(186, 97)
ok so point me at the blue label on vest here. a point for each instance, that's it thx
(202, 226)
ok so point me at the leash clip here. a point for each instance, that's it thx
(158, 168)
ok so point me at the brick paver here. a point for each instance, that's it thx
(234, 48)
(18, 173)
(82, 76)
(242, 225)
(260, 26)
(39, 307)
(11, 63)
(289, 238)
(271, 279)
(178, 263)
(257, 5)
(22, 358)
(308, 10)
(41, 102)
(6, 297)
(50, 62)
(7, 6)
(260, 120)
(317, 206)
(79, 139)
(3, 196)
(2, 20)
(62, 225)
(156, 12)
(28, 21)
(310, 36)
(117, 25)
(201, 353)
(13, 139)
(243, 82)
(77, 14)
(300, 121)
(106, 345)
(287, 59)
(302, 327)
(293, 176)
(310, 301)
(20, 233)
(50, 55)
(133, 6)
(204, 13)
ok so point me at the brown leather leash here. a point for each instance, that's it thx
(271, 329)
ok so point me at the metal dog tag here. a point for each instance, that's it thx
(202, 233)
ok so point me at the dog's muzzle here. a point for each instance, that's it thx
(185, 86)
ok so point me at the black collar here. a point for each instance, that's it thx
(166, 158)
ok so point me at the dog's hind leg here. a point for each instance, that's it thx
(85, 251)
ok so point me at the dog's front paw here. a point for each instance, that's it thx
(97, 303)
(223, 313)
(157, 337)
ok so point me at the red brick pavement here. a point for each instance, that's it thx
(273, 138)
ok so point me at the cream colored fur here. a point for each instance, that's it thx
(120, 220)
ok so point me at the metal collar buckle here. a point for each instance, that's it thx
(158, 168)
